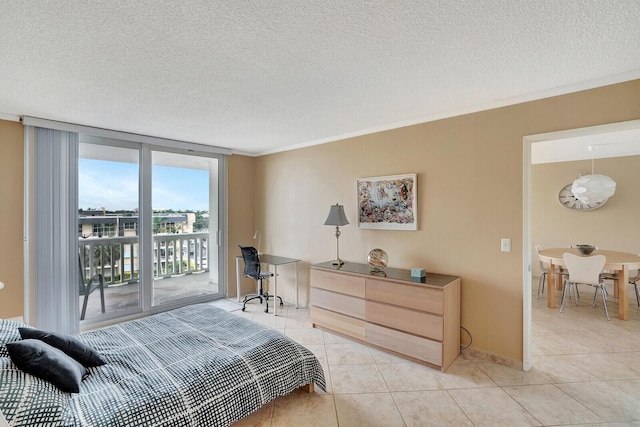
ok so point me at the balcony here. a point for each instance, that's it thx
(180, 269)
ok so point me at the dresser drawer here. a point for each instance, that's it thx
(412, 321)
(411, 345)
(416, 297)
(341, 303)
(338, 322)
(335, 282)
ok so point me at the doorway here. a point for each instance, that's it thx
(570, 150)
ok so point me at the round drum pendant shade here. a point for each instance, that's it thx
(593, 188)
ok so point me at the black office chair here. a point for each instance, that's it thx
(86, 288)
(252, 270)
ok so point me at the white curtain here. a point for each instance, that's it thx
(51, 269)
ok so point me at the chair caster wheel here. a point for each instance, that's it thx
(281, 305)
(266, 310)
(242, 308)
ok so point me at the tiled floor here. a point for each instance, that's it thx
(586, 372)
(120, 299)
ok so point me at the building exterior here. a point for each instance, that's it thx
(109, 242)
(99, 223)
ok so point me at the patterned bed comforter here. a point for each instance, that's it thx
(194, 366)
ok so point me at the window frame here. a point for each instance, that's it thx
(146, 145)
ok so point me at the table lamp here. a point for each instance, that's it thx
(338, 218)
(259, 236)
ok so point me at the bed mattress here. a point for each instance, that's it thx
(194, 366)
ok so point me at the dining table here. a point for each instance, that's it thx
(618, 262)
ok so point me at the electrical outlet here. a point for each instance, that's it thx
(505, 245)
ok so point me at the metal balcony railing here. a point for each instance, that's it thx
(117, 258)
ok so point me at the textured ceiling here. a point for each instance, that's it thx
(264, 76)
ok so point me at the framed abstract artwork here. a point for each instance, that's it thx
(388, 202)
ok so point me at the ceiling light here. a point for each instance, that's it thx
(594, 188)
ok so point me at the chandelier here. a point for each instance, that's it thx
(594, 188)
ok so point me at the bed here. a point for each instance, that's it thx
(194, 366)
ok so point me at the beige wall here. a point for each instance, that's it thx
(241, 216)
(11, 214)
(614, 226)
(470, 195)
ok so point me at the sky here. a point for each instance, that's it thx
(114, 186)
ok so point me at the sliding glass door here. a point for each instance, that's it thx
(108, 238)
(184, 200)
(148, 228)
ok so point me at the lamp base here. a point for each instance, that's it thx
(337, 262)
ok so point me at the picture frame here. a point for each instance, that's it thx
(388, 202)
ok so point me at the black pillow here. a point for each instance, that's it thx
(68, 344)
(48, 363)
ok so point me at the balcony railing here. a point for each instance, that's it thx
(117, 258)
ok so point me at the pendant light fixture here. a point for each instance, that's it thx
(594, 188)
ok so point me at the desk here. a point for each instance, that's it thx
(275, 261)
(620, 262)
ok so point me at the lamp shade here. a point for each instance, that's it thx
(593, 188)
(336, 216)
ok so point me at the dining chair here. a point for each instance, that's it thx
(543, 273)
(585, 270)
(633, 280)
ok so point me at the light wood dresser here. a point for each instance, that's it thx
(418, 319)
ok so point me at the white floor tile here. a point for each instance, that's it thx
(586, 371)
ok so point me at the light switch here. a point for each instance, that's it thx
(505, 245)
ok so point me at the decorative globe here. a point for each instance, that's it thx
(377, 259)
